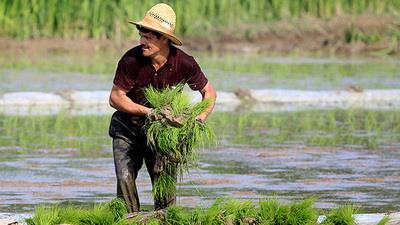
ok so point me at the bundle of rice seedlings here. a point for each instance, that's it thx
(175, 144)
(111, 213)
(45, 216)
(384, 221)
(178, 216)
(226, 211)
(295, 213)
(341, 216)
(238, 211)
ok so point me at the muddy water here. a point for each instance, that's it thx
(370, 179)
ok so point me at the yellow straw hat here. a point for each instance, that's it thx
(160, 18)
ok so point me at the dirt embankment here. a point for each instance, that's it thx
(341, 35)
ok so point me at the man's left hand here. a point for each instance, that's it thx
(201, 118)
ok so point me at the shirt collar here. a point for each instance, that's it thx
(170, 60)
(171, 57)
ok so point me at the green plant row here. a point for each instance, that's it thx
(362, 128)
(222, 211)
(89, 134)
(261, 72)
(107, 19)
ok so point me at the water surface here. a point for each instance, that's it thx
(334, 176)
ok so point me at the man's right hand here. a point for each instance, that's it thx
(166, 115)
(153, 115)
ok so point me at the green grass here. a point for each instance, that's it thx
(107, 19)
(222, 211)
(89, 134)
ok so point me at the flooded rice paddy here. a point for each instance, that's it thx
(338, 156)
(335, 176)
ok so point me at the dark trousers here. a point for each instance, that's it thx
(130, 150)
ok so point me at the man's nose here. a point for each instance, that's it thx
(142, 41)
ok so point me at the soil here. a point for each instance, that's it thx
(303, 36)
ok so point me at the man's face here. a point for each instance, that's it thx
(151, 45)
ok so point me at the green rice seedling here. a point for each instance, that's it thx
(384, 220)
(105, 213)
(225, 211)
(222, 211)
(118, 208)
(178, 216)
(45, 216)
(165, 185)
(272, 212)
(99, 215)
(343, 215)
(111, 213)
(153, 221)
(71, 214)
(211, 215)
(238, 212)
(302, 212)
(175, 144)
(268, 211)
(84, 133)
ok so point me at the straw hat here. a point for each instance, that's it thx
(160, 18)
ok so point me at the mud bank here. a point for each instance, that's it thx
(96, 102)
(343, 35)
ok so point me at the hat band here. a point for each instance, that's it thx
(165, 23)
(154, 25)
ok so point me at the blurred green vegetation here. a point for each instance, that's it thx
(23, 19)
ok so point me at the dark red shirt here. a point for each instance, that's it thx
(135, 72)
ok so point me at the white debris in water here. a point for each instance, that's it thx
(370, 218)
(96, 102)
(328, 97)
(32, 98)
(14, 217)
(89, 97)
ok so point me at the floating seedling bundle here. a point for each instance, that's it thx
(173, 134)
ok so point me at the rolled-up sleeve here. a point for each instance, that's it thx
(195, 76)
(123, 75)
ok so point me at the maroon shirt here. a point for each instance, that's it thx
(135, 72)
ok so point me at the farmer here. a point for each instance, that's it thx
(155, 62)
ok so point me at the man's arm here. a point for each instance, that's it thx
(208, 93)
(120, 101)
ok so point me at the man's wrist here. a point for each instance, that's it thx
(147, 111)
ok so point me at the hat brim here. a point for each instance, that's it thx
(154, 28)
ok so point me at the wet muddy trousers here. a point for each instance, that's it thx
(127, 165)
(130, 151)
